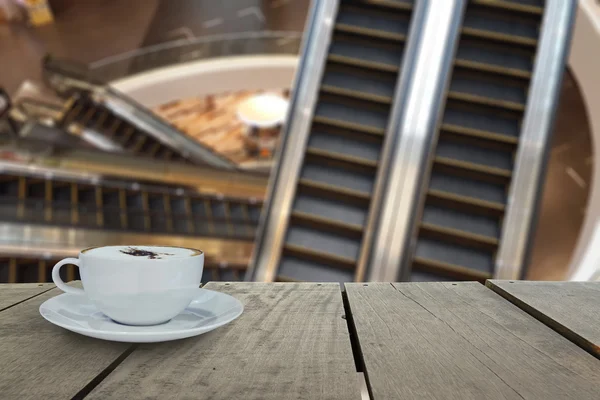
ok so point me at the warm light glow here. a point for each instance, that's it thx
(263, 111)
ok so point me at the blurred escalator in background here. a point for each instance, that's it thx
(479, 182)
(117, 123)
(68, 181)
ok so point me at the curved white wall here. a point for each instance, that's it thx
(585, 64)
(200, 78)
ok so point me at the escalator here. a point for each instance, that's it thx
(122, 206)
(330, 195)
(367, 173)
(51, 206)
(111, 121)
(97, 124)
(462, 224)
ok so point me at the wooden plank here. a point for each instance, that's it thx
(290, 343)
(462, 341)
(570, 308)
(45, 361)
(13, 293)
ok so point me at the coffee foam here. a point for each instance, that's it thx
(141, 252)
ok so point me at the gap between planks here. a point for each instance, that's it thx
(359, 361)
(28, 298)
(556, 326)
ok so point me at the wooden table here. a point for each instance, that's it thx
(509, 340)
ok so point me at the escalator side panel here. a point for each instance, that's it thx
(531, 159)
(294, 137)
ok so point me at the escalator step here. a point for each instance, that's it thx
(447, 271)
(484, 225)
(359, 80)
(388, 5)
(453, 235)
(475, 151)
(326, 224)
(338, 178)
(295, 269)
(319, 255)
(470, 188)
(454, 254)
(357, 145)
(479, 54)
(479, 134)
(359, 112)
(471, 170)
(482, 118)
(338, 210)
(355, 94)
(488, 85)
(369, 33)
(486, 101)
(334, 191)
(498, 37)
(331, 157)
(357, 17)
(532, 7)
(357, 62)
(349, 125)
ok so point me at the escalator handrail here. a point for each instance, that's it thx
(293, 140)
(164, 132)
(164, 50)
(418, 107)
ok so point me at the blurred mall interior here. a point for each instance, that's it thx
(342, 140)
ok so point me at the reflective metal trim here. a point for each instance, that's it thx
(94, 167)
(283, 181)
(435, 33)
(54, 242)
(34, 171)
(531, 155)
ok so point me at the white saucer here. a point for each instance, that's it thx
(208, 311)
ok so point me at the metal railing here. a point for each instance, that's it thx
(192, 49)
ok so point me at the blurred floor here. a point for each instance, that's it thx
(85, 30)
(92, 29)
(89, 30)
(213, 121)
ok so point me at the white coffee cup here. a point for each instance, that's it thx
(137, 285)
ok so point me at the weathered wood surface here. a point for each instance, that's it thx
(463, 341)
(291, 342)
(571, 308)
(14, 293)
(41, 361)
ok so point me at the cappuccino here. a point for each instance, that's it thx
(119, 253)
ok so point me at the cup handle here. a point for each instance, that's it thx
(59, 282)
